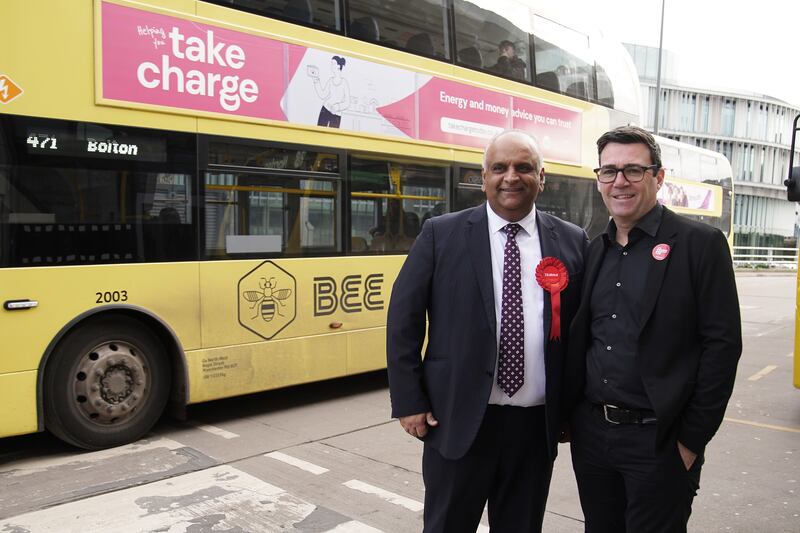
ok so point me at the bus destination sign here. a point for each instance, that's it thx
(69, 145)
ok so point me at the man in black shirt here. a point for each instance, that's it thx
(654, 348)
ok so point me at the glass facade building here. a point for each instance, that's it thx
(752, 131)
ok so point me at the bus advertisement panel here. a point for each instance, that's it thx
(165, 61)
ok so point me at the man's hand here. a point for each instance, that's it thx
(687, 455)
(417, 425)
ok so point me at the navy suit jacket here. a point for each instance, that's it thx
(690, 334)
(447, 278)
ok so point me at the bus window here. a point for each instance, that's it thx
(269, 200)
(617, 81)
(389, 201)
(690, 165)
(488, 37)
(468, 189)
(563, 61)
(671, 160)
(418, 26)
(572, 199)
(266, 214)
(261, 156)
(79, 193)
(575, 200)
(318, 13)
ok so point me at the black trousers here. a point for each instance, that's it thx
(508, 465)
(326, 118)
(626, 483)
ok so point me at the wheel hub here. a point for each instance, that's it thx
(111, 382)
(117, 384)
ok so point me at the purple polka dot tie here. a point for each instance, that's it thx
(511, 372)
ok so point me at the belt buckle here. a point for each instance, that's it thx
(605, 413)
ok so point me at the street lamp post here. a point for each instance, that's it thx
(658, 74)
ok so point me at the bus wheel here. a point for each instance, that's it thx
(106, 384)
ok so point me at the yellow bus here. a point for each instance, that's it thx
(202, 199)
(698, 184)
(793, 195)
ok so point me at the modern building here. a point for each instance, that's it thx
(752, 130)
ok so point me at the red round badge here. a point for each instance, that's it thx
(660, 251)
(551, 274)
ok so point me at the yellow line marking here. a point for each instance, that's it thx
(760, 425)
(763, 372)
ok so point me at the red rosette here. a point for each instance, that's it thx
(552, 276)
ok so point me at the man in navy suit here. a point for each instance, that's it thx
(486, 397)
(653, 349)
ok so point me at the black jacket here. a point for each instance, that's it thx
(690, 334)
(448, 278)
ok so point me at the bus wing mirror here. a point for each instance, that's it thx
(793, 182)
(793, 185)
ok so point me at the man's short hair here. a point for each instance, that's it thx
(631, 135)
(506, 44)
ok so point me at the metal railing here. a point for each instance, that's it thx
(764, 257)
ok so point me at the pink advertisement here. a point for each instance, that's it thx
(459, 114)
(187, 66)
(558, 129)
(693, 196)
(156, 59)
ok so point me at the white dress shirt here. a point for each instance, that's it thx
(532, 391)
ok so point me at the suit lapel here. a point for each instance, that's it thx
(548, 242)
(657, 269)
(477, 236)
(592, 262)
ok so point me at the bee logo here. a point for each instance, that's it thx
(268, 300)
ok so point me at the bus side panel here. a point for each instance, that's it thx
(797, 335)
(279, 322)
(234, 370)
(18, 403)
(366, 350)
(275, 299)
(167, 291)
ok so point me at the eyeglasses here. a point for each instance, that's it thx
(632, 173)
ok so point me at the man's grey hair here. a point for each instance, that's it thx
(532, 140)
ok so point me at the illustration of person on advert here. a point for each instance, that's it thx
(335, 94)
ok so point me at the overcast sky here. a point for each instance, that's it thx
(751, 46)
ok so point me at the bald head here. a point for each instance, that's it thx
(513, 175)
(520, 136)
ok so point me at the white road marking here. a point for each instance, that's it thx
(214, 430)
(482, 529)
(760, 425)
(219, 498)
(391, 497)
(353, 527)
(763, 372)
(26, 467)
(299, 463)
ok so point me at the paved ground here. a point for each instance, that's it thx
(326, 457)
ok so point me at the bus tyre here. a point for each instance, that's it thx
(106, 384)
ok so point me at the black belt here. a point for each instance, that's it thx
(621, 415)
